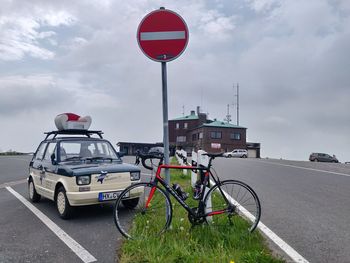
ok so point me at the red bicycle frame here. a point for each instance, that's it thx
(158, 178)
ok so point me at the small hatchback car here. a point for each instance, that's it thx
(323, 157)
(81, 169)
(241, 153)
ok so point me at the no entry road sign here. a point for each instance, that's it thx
(162, 35)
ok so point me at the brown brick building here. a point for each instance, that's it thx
(196, 131)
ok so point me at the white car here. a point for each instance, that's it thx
(240, 153)
(79, 170)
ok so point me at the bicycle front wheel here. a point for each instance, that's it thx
(232, 203)
(142, 210)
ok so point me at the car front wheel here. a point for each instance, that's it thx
(63, 207)
(244, 156)
(33, 195)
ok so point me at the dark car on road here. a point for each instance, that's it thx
(75, 168)
(323, 157)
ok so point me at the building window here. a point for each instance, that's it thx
(235, 136)
(177, 126)
(215, 135)
(200, 135)
(181, 139)
(194, 137)
(185, 125)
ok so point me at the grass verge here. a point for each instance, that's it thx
(184, 243)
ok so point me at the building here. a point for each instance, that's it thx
(197, 131)
(130, 148)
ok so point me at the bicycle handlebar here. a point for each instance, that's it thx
(160, 156)
(147, 156)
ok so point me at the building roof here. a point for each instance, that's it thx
(222, 124)
(188, 117)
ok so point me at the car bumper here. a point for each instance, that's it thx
(90, 197)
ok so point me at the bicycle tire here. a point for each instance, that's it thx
(137, 221)
(245, 203)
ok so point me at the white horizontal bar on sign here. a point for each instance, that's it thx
(165, 35)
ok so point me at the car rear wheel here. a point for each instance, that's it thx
(315, 160)
(63, 207)
(244, 156)
(33, 195)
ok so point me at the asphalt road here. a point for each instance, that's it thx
(307, 208)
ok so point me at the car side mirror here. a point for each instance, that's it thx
(53, 159)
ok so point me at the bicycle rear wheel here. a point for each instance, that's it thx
(142, 210)
(232, 203)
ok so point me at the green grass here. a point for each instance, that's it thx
(202, 243)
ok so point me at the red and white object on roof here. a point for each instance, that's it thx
(71, 121)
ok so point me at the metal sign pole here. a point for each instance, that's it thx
(165, 121)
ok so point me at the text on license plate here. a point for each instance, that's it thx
(109, 196)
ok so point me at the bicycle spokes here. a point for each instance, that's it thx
(232, 199)
(150, 216)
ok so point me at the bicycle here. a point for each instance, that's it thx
(144, 209)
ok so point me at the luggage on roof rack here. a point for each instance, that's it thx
(87, 133)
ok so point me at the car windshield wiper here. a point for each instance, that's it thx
(74, 158)
(101, 158)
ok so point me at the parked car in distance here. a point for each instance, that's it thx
(323, 157)
(240, 153)
(81, 169)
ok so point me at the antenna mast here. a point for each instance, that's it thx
(237, 104)
(228, 116)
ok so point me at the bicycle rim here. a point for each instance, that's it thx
(146, 218)
(242, 208)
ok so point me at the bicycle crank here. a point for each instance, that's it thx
(195, 219)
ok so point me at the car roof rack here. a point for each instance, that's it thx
(73, 132)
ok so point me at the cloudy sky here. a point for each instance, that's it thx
(290, 58)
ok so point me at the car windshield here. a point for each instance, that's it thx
(86, 150)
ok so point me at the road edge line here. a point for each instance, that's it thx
(81, 252)
(304, 168)
(291, 252)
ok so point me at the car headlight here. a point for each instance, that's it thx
(83, 179)
(134, 176)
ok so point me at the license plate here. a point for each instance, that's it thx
(109, 196)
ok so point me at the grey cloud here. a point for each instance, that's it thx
(289, 57)
(22, 94)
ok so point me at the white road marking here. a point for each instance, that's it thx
(13, 183)
(291, 252)
(164, 35)
(81, 252)
(305, 168)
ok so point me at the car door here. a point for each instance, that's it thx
(49, 170)
(36, 168)
(328, 158)
(323, 157)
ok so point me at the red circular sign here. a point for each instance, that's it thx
(162, 35)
